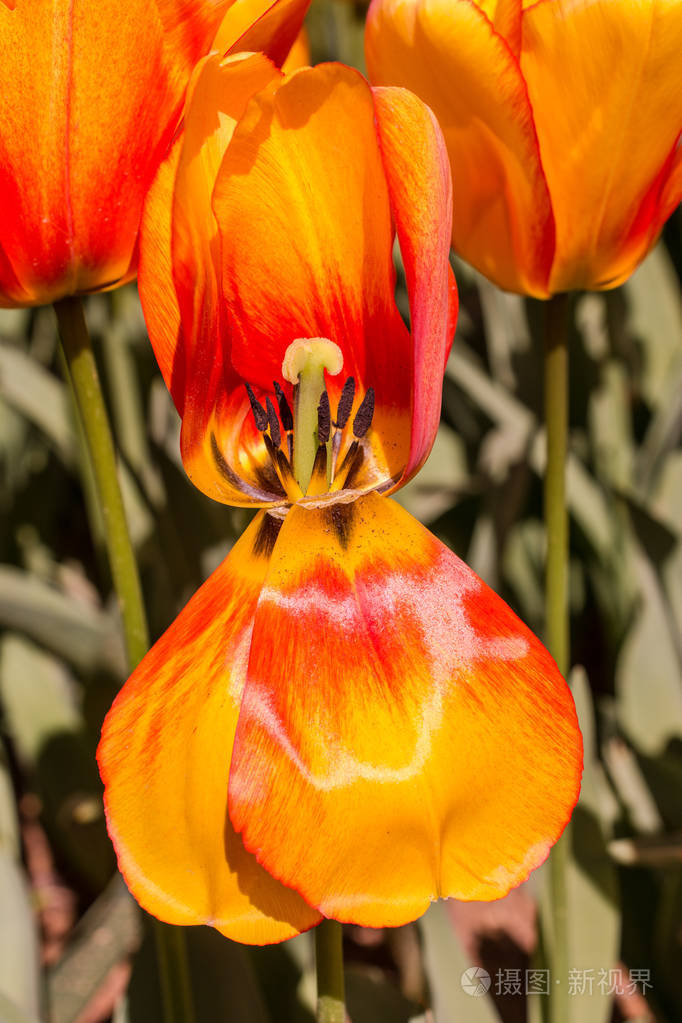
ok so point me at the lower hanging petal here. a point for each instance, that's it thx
(402, 735)
(165, 756)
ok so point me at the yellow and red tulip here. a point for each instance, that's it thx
(91, 92)
(344, 721)
(562, 120)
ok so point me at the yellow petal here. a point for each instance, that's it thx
(605, 86)
(402, 735)
(165, 756)
(449, 54)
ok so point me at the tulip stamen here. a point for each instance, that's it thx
(343, 411)
(274, 420)
(259, 414)
(324, 419)
(273, 423)
(286, 417)
(364, 415)
(345, 405)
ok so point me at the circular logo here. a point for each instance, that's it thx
(475, 981)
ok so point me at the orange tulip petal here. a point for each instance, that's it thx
(421, 200)
(306, 235)
(299, 54)
(449, 54)
(657, 204)
(179, 290)
(505, 16)
(216, 410)
(262, 26)
(96, 90)
(671, 191)
(165, 756)
(155, 278)
(606, 128)
(402, 735)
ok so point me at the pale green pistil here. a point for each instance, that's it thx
(304, 364)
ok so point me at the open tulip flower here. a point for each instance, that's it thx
(344, 721)
(90, 96)
(562, 120)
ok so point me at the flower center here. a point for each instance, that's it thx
(312, 465)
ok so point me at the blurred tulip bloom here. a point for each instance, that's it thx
(344, 721)
(91, 92)
(562, 120)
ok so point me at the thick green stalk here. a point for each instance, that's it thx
(556, 609)
(92, 412)
(174, 976)
(331, 1006)
(556, 517)
(83, 379)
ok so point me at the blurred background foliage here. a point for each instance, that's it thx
(73, 946)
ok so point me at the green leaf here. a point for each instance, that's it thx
(34, 392)
(86, 637)
(435, 488)
(19, 953)
(592, 882)
(224, 985)
(648, 670)
(52, 744)
(370, 998)
(446, 963)
(655, 319)
(108, 934)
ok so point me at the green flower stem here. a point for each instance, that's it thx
(556, 517)
(331, 1006)
(556, 609)
(84, 384)
(84, 380)
(174, 975)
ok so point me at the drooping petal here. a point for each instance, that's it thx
(89, 98)
(306, 236)
(402, 735)
(418, 176)
(165, 756)
(449, 54)
(606, 129)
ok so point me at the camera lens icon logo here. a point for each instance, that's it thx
(475, 981)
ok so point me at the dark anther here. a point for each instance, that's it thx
(273, 421)
(284, 409)
(345, 403)
(324, 419)
(363, 417)
(259, 413)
